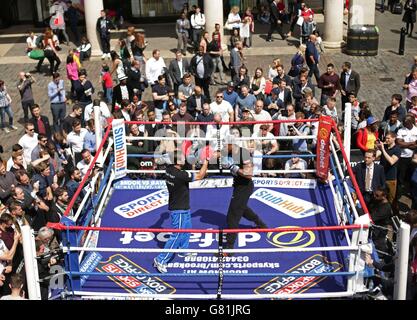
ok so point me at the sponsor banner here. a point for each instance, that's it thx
(218, 183)
(135, 284)
(89, 263)
(316, 264)
(120, 151)
(291, 239)
(323, 146)
(291, 206)
(138, 207)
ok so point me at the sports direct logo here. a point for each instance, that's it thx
(289, 285)
(143, 205)
(135, 284)
(294, 207)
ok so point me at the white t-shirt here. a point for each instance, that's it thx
(223, 108)
(154, 69)
(31, 42)
(10, 297)
(407, 136)
(233, 17)
(259, 143)
(3, 250)
(76, 141)
(83, 167)
(104, 109)
(262, 116)
(28, 144)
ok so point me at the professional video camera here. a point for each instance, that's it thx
(45, 259)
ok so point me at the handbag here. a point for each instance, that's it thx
(228, 26)
(268, 87)
(36, 54)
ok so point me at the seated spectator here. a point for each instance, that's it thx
(391, 125)
(330, 109)
(264, 147)
(366, 137)
(230, 95)
(299, 129)
(84, 49)
(295, 163)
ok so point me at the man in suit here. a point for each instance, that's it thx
(134, 79)
(277, 10)
(196, 101)
(369, 175)
(299, 86)
(202, 67)
(283, 94)
(40, 122)
(177, 68)
(350, 83)
(121, 92)
(103, 26)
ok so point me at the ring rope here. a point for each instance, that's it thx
(221, 122)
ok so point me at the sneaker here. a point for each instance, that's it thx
(6, 130)
(162, 268)
(103, 56)
(13, 128)
(187, 254)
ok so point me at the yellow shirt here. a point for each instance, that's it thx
(370, 143)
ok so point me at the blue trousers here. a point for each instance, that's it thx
(180, 219)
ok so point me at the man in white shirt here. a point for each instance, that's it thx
(198, 22)
(261, 115)
(28, 141)
(221, 106)
(85, 163)
(76, 139)
(264, 146)
(104, 109)
(154, 67)
(212, 130)
(16, 285)
(295, 163)
(407, 141)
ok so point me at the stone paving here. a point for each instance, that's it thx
(381, 76)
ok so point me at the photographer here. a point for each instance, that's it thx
(282, 128)
(299, 129)
(45, 261)
(24, 86)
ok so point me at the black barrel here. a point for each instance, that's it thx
(362, 40)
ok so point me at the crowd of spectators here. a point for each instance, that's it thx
(53, 155)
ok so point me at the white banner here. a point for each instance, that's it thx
(120, 151)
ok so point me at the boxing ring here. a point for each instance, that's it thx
(312, 249)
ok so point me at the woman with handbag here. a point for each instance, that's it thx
(50, 51)
(297, 62)
(410, 15)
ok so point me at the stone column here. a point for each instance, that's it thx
(92, 13)
(213, 11)
(361, 12)
(333, 23)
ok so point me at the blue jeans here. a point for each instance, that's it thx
(8, 110)
(180, 219)
(109, 94)
(58, 114)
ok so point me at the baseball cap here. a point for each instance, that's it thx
(230, 84)
(371, 120)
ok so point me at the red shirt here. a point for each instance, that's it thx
(41, 126)
(108, 81)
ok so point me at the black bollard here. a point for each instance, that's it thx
(402, 41)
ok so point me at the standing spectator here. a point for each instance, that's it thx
(84, 90)
(222, 107)
(117, 65)
(180, 117)
(280, 75)
(329, 83)
(395, 106)
(77, 110)
(134, 78)
(72, 15)
(160, 96)
(350, 83)
(155, 67)
(25, 89)
(410, 85)
(57, 22)
(6, 107)
(7, 183)
(312, 58)
(297, 62)
(90, 137)
(75, 140)
(72, 71)
(198, 22)
(201, 67)
(186, 89)
(233, 19)
(241, 79)
(389, 154)
(409, 17)
(103, 26)
(205, 116)
(257, 84)
(216, 52)
(277, 9)
(56, 94)
(245, 100)
(407, 141)
(369, 175)
(122, 92)
(177, 69)
(74, 181)
(107, 83)
(236, 59)
(138, 45)
(249, 25)
(301, 85)
(40, 122)
(230, 95)
(85, 162)
(393, 124)
(50, 52)
(28, 141)
(182, 28)
(367, 137)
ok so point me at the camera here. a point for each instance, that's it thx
(57, 254)
(284, 113)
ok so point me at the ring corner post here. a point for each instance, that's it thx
(31, 264)
(69, 239)
(401, 262)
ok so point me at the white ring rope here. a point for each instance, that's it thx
(215, 139)
(226, 171)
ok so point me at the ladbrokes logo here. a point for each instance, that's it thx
(291, 239)
(316, 264)
(143, 205)
(135, 284)
(294, 207)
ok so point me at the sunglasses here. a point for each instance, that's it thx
(219, 96)
(44, 140)
(30, 129)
